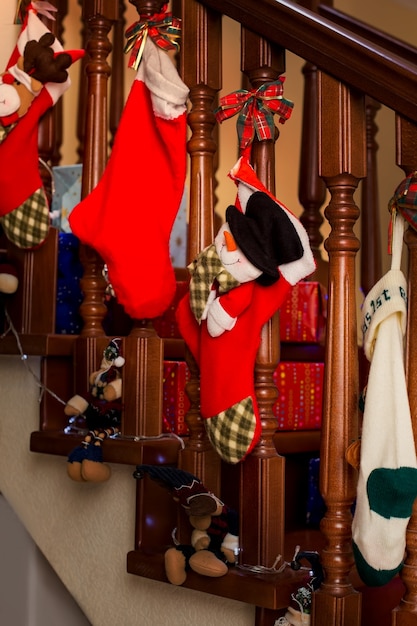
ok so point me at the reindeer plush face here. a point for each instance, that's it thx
(17, 91)
(23, 81)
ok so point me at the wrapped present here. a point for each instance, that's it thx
(69, 295)
(303, 313)
(300, 395)
(175, 402)
(67, 193)
(166, 324)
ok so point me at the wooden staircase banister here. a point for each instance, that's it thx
(391, 44)
(346, 65)
(342, 54)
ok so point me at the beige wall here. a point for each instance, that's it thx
(85, 531)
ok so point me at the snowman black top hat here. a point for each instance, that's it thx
(265, 234)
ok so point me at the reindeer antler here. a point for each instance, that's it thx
(42, 63)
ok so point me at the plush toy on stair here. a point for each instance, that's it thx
(9, 280)
(214, 543)
(101, 408)
(35, 78)
(237, 284)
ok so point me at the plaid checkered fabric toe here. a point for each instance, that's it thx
(28, 225)
(232, 432)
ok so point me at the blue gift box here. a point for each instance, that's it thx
(69, 295)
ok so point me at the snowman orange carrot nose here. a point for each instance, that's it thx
(230, 242)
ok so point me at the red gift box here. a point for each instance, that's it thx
(166, 325)
(300, 395)
(175, 402)
(303, 313)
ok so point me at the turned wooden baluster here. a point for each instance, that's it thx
(342, 163)
(89, 346)
(406, 613)
(371, 255)
(200, 70)
(117, 85)
(50, 130)
(98, 19)
(262, 474)
(82, 91)
(142, 348)
(311, 188)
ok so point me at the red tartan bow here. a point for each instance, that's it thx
(256, 109)
(163, 29)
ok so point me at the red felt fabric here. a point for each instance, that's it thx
(129, 216)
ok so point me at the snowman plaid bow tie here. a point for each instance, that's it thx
(256, 109)
(204, 270)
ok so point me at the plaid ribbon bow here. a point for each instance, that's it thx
(256, 109)
(42, 7)
(163, 29)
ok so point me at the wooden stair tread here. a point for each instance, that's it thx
(268, 590)
(158, 451)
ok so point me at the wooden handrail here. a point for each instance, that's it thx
(391, 44)
(352, 59)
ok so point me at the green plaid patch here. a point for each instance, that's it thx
(204, 270)
(231, 432)
(28, 225)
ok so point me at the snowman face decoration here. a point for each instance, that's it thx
(232, 257)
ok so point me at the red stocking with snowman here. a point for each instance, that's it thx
(237, 284)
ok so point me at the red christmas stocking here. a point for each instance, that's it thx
(24, 208)
(129, 216)
(226, 362)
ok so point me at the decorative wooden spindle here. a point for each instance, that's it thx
(406, 139)
(200, 70)
(142, 348)
(311, 188)
(146, 8)
(371, 255)
(118, 73)
(50, 132)
(82, 91)
(336, 602)
(262, 474)
(99, 20)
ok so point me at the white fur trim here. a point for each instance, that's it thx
(231, 542)
(78, 403)
(23, 78)
(196, 535)
(168, 92)
(297, 270)
(218, 320)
